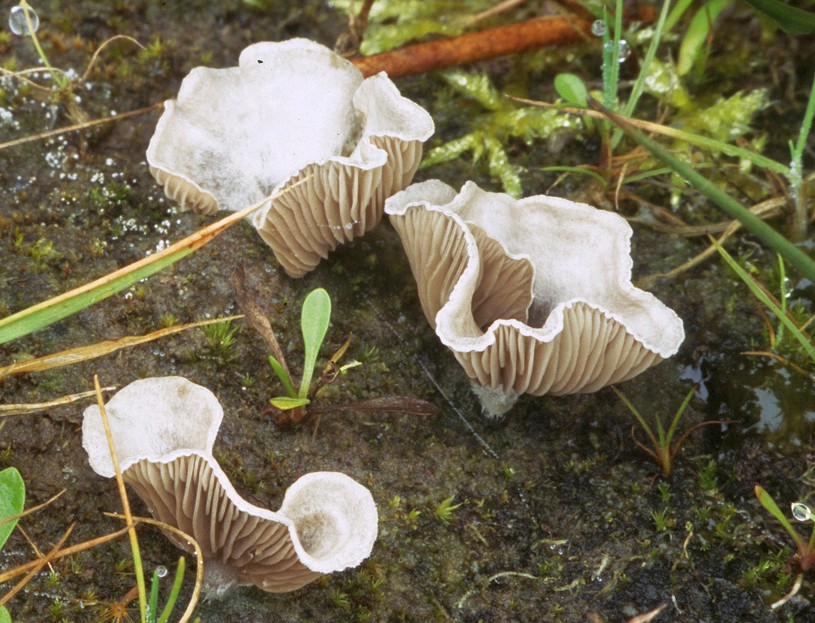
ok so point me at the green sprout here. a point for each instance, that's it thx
(779, 307)
(663, 448)
(314, 319)
(153, 615)
(221, 338)
(446, 508)
(804, 559)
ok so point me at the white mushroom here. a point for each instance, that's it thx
(298, 122)
(163, 430)
(531, 295)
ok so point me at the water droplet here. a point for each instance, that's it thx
(598, 28)
(624, 51)
(161, 571)
(801, 511)
(17, 21)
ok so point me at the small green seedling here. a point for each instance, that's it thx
(12, 501)
(446, 508)
(804, 558)
(662, 450)
(314, 319)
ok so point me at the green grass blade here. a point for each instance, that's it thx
(725, 202)
(55, 309)
(281, 373)
(762, 296)
(640, 419)
(792, 20)
(152, 603)
(12, 500)
(174, 591)
(314, 319)
(766, 500)
(645, 68)
(5, 617)
(40, 316)
(678, 415)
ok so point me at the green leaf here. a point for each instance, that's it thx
(696, 35)
(572, 89)
(792, 20)
(284, 403)
(12, 500)
(281, 373)
(314, 319)
(5, 617)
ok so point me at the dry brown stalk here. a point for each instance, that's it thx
(39, 564)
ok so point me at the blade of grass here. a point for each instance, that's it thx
(645, 67)
(766, 500)
(50, 311)
(761, 295)
(694, 139)
(725, 202)
(174, 591)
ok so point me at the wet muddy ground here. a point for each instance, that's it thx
(568, 523)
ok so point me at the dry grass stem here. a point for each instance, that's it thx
(79, 547)
(764, 210)
(39, 564)
(92, 351)
(33, 509)
(81, 126)
(34, 407)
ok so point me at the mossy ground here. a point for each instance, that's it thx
(565, 524)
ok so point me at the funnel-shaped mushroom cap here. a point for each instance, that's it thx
(299, 123)
(328, 522)
(151, 418)
(531, 295)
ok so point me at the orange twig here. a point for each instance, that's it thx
(538, 32)
(476, 46)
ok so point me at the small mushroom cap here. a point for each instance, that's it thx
(151, 418)
(328, 522)
(296, 122)
(163, 430)
(532, 295)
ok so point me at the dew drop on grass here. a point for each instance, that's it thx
(598, 28)
(801, 511)
(624, 51)
(17, 21)
(161, 571)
